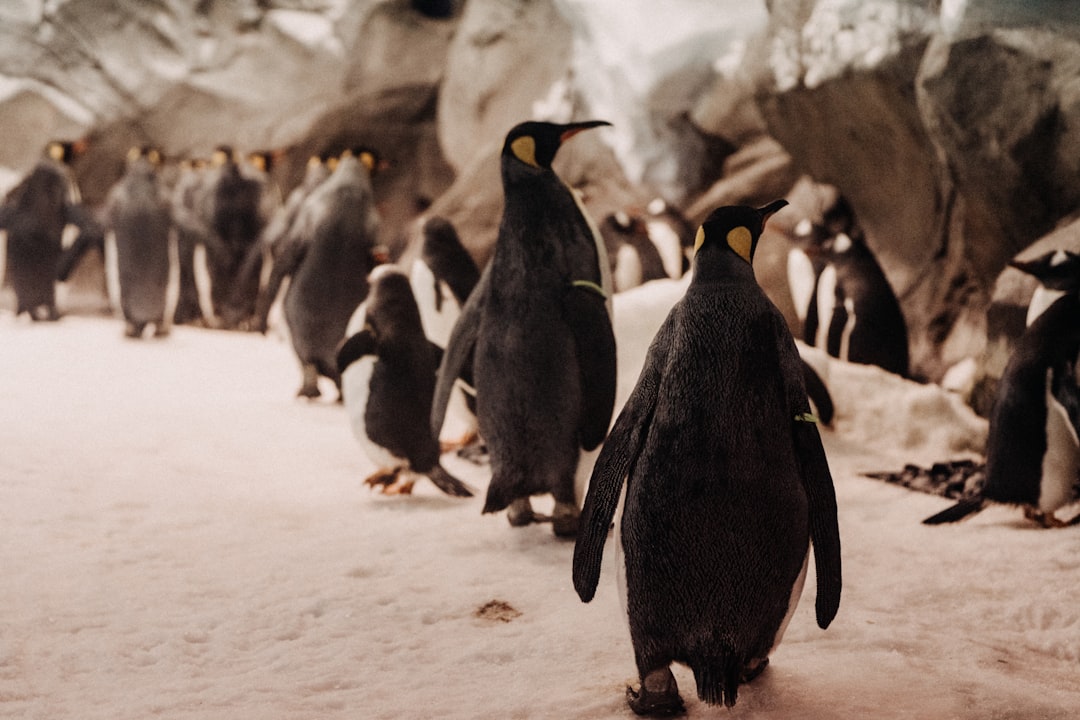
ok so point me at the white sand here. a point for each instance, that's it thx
(183, 539)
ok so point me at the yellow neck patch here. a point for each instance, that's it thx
(524, 149)
(740, 240)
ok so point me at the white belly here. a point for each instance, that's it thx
(1062, 459)
(354, 394)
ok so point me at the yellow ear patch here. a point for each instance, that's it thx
(740, 240)
(524, 148)
(56, 151)
(699, 238)
(367, 160)
(219, 158)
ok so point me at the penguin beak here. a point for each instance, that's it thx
(770, 209)
(572, 129)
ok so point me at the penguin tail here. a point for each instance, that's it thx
(718, 679)
(959, 511)
(448, 483)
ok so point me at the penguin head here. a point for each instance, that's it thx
(223, 155)
(734, 229)
(534, 143)
(64, 151)
(392, 312)
(1056, 270)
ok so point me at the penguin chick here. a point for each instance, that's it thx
(1032, 450)
(538, 330)
(727, 484)
(388, 379)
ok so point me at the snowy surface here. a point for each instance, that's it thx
(184, 539)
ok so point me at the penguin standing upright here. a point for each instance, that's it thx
(539, 330)
(727, 484)
(138, 215)
(442, 277)
(1032, 450)
(855, 315)
(328, 253)
(633, 257)
(34, 214)
(185, 193)
(387, 369)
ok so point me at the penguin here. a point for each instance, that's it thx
(632, 256)
(727, 483)
(672, 234)
(538, 329)
(138, 215)
(387, 369)
(1032, 448)
(34, 214)
(442, 277)
(855, 315)
(328, 253)
(191, 176)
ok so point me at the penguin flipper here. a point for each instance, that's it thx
(585, 311)
(618, 455)
(459, 350)
(824, 528)
(959, 511)
(819, 394)
(289, 259)
(448, 483)
(353, 348)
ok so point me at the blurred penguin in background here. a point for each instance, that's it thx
(184, 198)
(632, 255)
(34, 214)
(327, 255)
(138, 216)
(852, 312)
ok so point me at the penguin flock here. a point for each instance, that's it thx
(713, 473)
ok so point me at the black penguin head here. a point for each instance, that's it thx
(392, 312)
(535, 143)
(1056, 270)
(735, 229)
(64, 151)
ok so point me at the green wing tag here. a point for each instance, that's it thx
(806, 417)
(591, 287)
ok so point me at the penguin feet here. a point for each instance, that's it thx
(565, 519)
(475, 452)
(460, 444)
(520, 513)
(1045, 519)
(658, 696)
(389, 482)
(310, 386)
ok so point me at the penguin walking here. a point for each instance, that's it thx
(34, 214)
(138, 215)
(328, 254)
(727, 484)
(538, 328)
(854, 314)
(1032, 449)
(387, 369)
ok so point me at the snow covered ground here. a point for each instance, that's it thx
(184, 539)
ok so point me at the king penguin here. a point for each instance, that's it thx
(538, 328)
(34, 214)
(1032, 450)
(138, 215)
(330, 249)
(727, 483)
(387, 382)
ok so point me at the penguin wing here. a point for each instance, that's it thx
(816, 480)
(819, 394)
(355, 347)
(618, 455)
(459, 349)
(292, 253)
(585, 312)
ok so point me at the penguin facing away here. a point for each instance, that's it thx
(1032, 448)
(442, 277)
(34, 214)
(328, 253)
(138, 215)
(538, 328)
(387, 373)
(727, 483)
